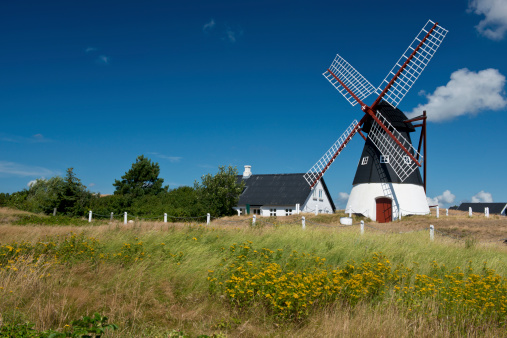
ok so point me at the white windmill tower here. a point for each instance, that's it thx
(388, 183)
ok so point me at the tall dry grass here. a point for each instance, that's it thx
(154, 296)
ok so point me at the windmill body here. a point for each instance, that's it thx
(388, 182)
(378, 192)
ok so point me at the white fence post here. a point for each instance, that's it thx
(316, 209)
(470, 211)
(350, 212)
(125, 217)
(486, 211)
(90, 216)
(208, 218)
(165, 217)
(254, 219)
(303, 220)
(432, 232)
(362, 227)
(239, 212)
(447, 212)
(112, 216)
(438, 211)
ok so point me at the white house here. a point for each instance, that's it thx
(282, 195)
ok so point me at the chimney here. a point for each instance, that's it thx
(248, 172)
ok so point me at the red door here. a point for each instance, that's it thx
(384, 210)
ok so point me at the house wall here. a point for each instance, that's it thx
(270, 210)
(313, 201)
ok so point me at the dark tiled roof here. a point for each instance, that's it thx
(277, 189)
(494, 208)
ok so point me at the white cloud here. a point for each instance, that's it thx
(103, 60)
(16, 169)
(494, 24)
(90, 49)
(482, 196)
(232, 35)
(441, 200)
(343, 197)
(467, 93)
(91, 185)
(208, 25)
(172, 159)
(37, 138)
(32, 182)
(225, 32)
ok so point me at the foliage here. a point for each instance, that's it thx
(4, 199)
(220, 193)
(67, 194)
(140, 180)
(75, 197)
(87, 326)
(291, 289)
(140, 192)
(51, 220)
(179, 202)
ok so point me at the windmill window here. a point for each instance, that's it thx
(315, 194)
(406, 159)
(320, 194)
(288, 212)
(364, 161)
(384, 158)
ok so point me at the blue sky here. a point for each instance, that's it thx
(197, 84)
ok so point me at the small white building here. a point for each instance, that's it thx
(282, 195)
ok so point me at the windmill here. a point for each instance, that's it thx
(388, 181)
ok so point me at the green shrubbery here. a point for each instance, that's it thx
(65, 194)
(140, 192)
(87, 326)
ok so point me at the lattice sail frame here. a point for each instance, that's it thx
(402, 164)
(415, 67)
(351, 78)
(315, 173)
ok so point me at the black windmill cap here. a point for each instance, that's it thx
(395, 116)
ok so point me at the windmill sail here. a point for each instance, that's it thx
(315, 173)
(402, 164)
(351, 78)
(411, 64)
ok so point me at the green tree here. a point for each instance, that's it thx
(75, 197)
(44, 195)
(219, 193)
(142, 179)
(4, 199)
(67, 194)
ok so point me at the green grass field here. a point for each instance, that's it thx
(232, 279)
